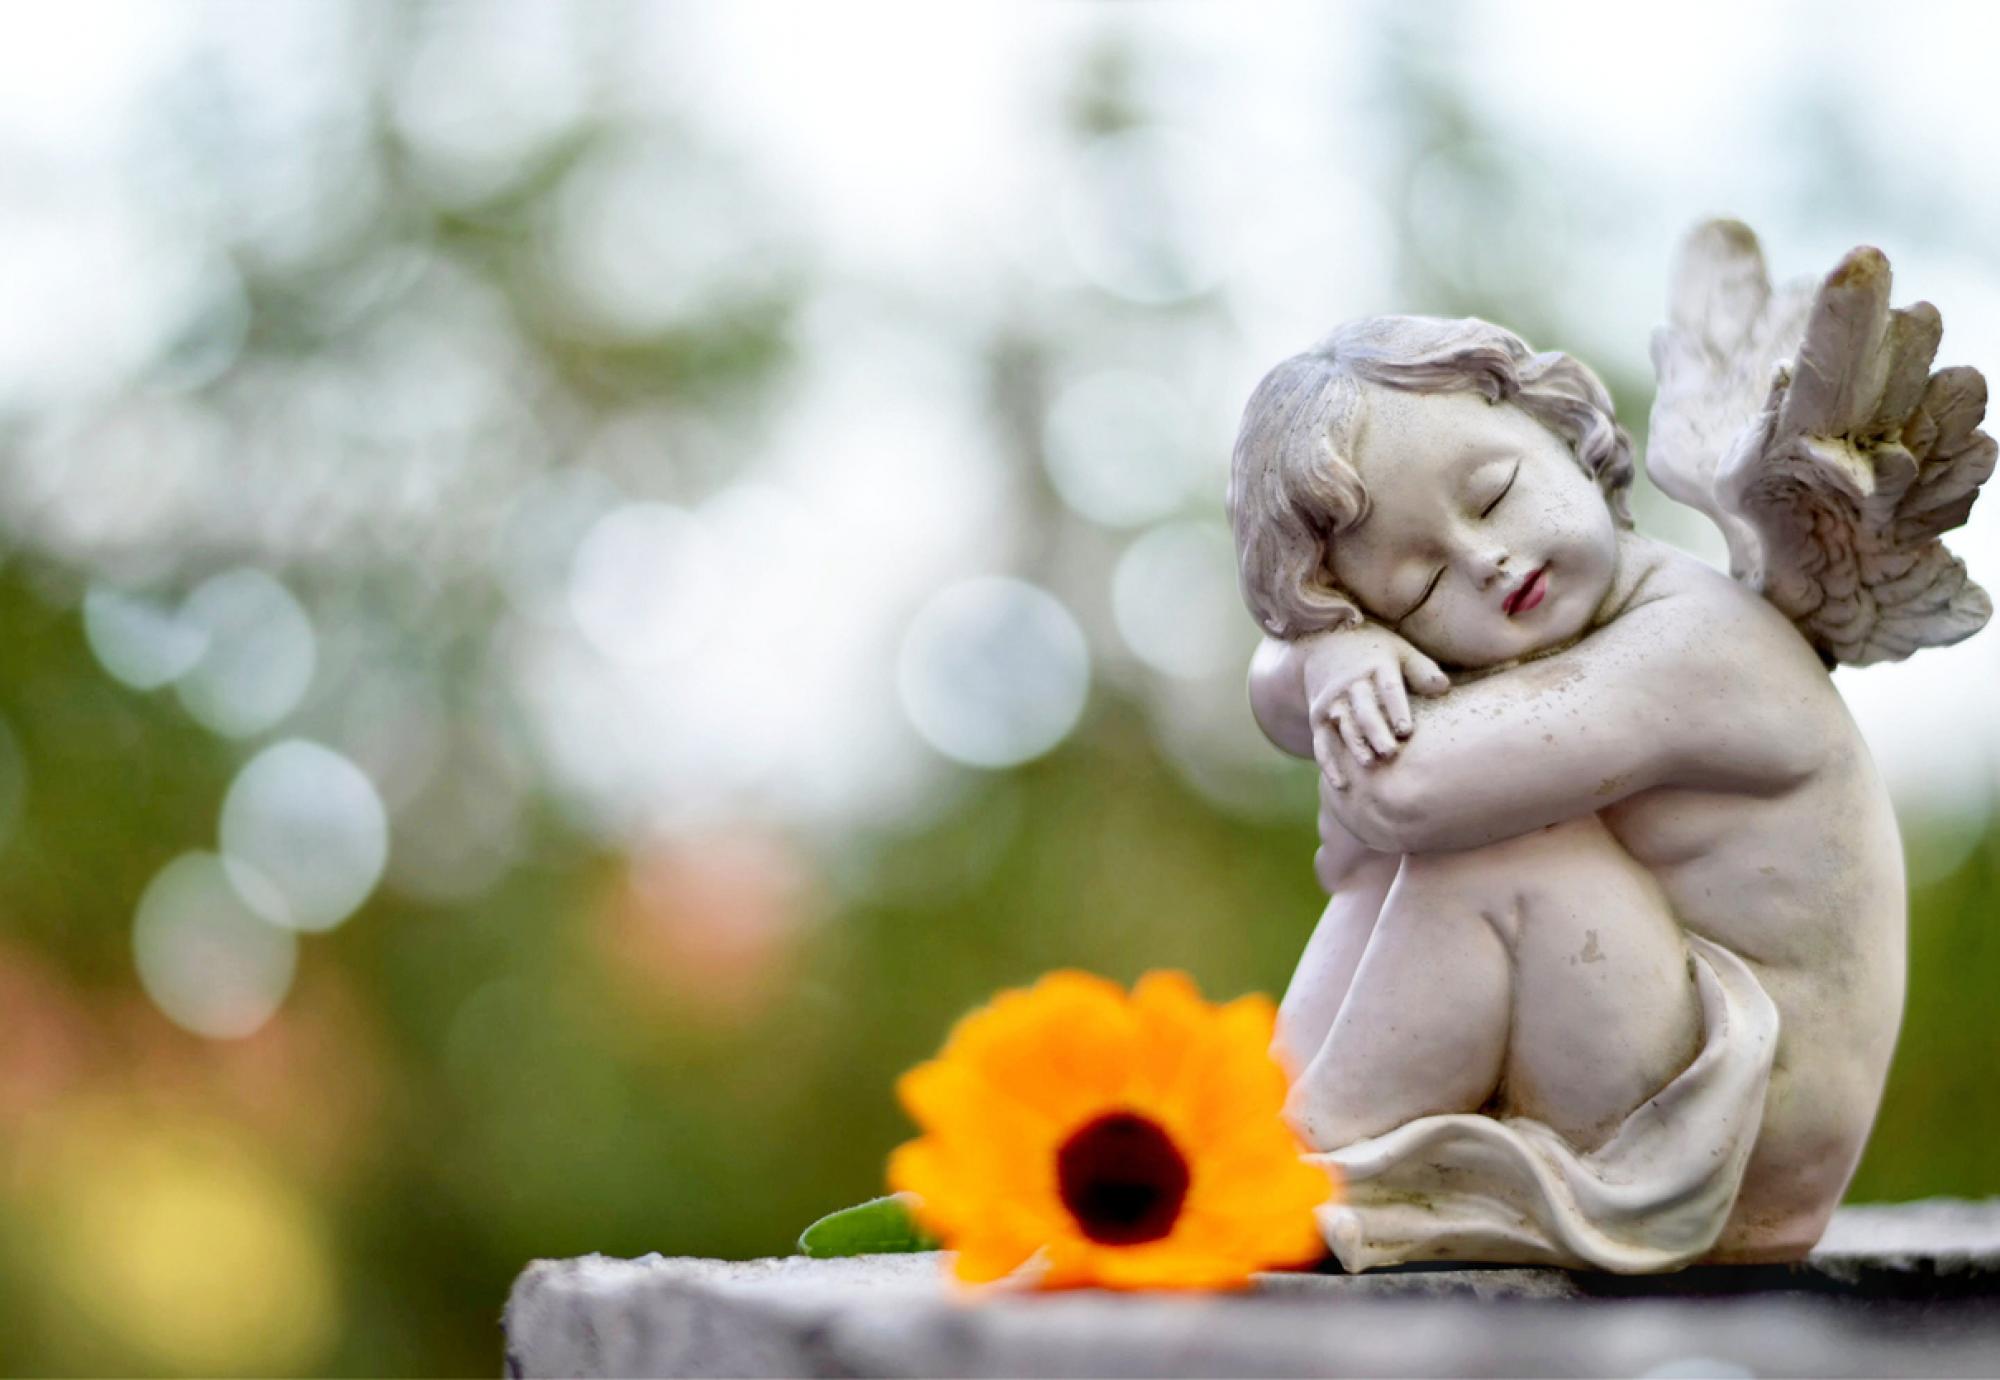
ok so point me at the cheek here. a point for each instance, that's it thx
(1594, 535)
(1573, 524)
(1463, 631)
(1588, 553)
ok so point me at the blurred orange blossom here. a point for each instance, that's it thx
(1131, 1142)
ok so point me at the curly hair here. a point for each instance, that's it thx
(1293, 489)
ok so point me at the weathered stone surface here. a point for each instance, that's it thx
(1912, 1289)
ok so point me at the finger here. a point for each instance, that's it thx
(1326, 751)
(1352, 734)
(1374, 725)
(1395, 697)
(1425, 676)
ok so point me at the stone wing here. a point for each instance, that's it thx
(1806, 422)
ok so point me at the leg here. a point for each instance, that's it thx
(1423, 1025)
(1326, 968)
(1542, 975)
(1606, 1011)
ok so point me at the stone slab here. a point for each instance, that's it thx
(1909, 1289)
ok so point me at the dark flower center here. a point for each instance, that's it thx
(1122, 1179)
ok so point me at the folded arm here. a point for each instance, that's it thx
(1354, 683)
(1679, 691)
(1278, 696)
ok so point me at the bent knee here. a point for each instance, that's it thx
(1499, 881)
(1571, 839)
(1539, 855)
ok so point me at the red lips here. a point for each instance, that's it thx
(1528, 593)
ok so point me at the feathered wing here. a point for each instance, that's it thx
(1806, 422)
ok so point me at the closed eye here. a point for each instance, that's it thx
(1429, 589)
(1512, 476)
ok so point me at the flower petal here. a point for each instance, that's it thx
(1019, 1077)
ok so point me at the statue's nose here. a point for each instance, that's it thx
(1488, 568)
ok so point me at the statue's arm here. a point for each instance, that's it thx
(1278, 700)
(1278, 697)
(1285, 713)
(1679, 691)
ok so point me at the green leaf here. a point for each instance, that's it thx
(877, 1226)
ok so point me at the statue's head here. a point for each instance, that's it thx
(1437, 476)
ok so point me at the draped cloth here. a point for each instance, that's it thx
(1653, 1197)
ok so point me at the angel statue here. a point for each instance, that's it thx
(1613, 963)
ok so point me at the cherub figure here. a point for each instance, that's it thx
(1613, 963)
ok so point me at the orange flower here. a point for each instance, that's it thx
(1135, 1142)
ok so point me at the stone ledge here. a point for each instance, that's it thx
(1893, 1290)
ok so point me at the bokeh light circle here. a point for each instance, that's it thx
(209, 960)
(643, 587)
(1173, 595)
(641, 243)
(181, 1242)
(484, 93)
(538, 542)
(311, 824)
(1116, 448)
(258, 656)
(994, 672)
(138, 642)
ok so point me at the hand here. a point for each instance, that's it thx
(1356, 696)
